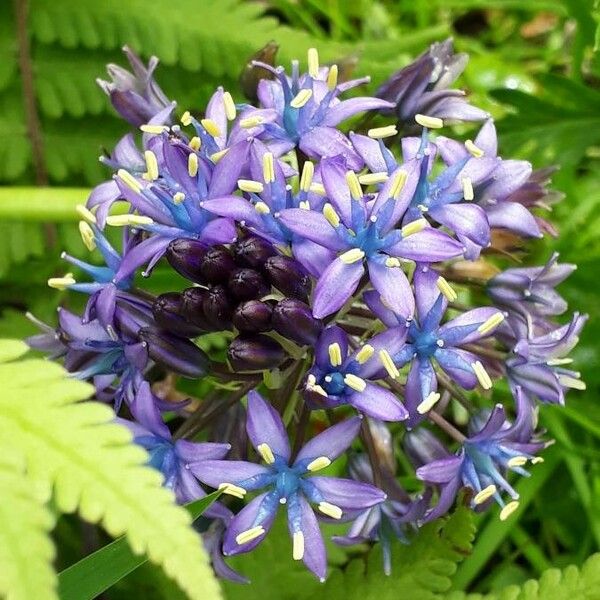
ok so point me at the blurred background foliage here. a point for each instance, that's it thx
(534, 65)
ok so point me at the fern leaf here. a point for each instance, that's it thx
(93, 467)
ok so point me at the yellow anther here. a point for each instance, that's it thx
(61, 283)
(304, 205)
(313, 63)
(354, 185)
(446, 290)
(308, 172)
(414, 227)
(154, 129)
(266, 453)
(335, 354)
(250, 186)
(332, 77)
(319, 463)
(250, 122)
(428, 403)
(392, 261)
(85, 213)
(268, 167)
(491, 323)
(556, 362)
(178, 197)
(430, 122)
(211, 127)
(232, 490)
(484, 494)
(186, 118)
(473, 149)
(364, 354)
(151, 165)
(330, 214)
(195, 143)
(355, 382)
(229, 104)
(249, 535)
(398, 184)
(508, 510)
(192, 164)
(331, 510)
(129, 180)
(318, 188)
(319, 390)
(379, 133)
(571, 382)
(352, 256)
(87, 235)
(261, 208)
(217, 156)
(124, 220)
(388, 364)
(517, 461)
(298, 545)
(536, 460)
(373, 178)
(467, 186)
(484, 379)
(301, 98)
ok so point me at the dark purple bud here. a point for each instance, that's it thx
(193, 307)
(251, 75)
(253, 251)
(175, 353)
(168, 313)
(253, 316)
(254, 353)
(246, 284)
(217, 265)
(185, 256)
(288, 276)
(293, 319)
(217, 308)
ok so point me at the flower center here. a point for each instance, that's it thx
(426, 344)
(333, 383)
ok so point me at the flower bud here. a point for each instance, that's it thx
(185, 256)
(293, 319)
(253, 316)
(288, 276)
(253, 251)
(254, 353)
(168, 313)
(246, 284)
(192, 307)
(217, 264)
(423, 447)
(175, 353)
(217, 308)
(251, 75)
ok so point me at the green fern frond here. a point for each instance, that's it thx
(93, 467)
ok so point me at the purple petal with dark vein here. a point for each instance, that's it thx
(335, 286)
(456, 364)
(467, 220)
(330, 335)
(313, 226)
(228, 170)
(315, 556)
(233, 207)
(493, 425)
(348, 108)
(143, 253)
(514, 217)
(391, 340)
(145, 411)
(404, 198)
(428, 245)
(450, 150)
(71, 324)
(393, 287)
(215, 110)
(445, 501)
(105, 304)
(442, 470)
(370, 151)
(216, 472)
(347, 493)
(104, 194)
(426, 290)
(538, 380)
(333, 175)
(192, 452)
(264, 426)
(379, 403)
(218, 231)
(186, 488)
(487, 139)
(508, 176)
(313, 257)
(327, 141)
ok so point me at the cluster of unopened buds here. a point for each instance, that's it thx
(354, 278)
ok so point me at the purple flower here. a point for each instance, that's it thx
(430, 343)
(493, 448)
(340, 377)
(362, 230)
(288, 483)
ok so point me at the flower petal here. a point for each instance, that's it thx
(264, 426)
(313, 226)
(379, 403)
(327, 141)
(429, 245)
(393, 287)
(468, 220)
(248, 475)
(347, 493)
(335, 286)
(348, 108)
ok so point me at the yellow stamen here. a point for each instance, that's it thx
(536, 460)
(331, 510)
(232, 490)
(228, 103)
(571, 382)
(304, 205)
(319, 390)
(249, 535)
(195, 143)
(155, 129)
(186, 118)
(335, 354)
(399, 182)
(388, 364)
(330, 214)
(319, 463)
(268, 167)
(332, 77)
(298, 545)
(555, 362)
(467, 186)
(301, 98)
(484, 379)
(129, 180)
(86, 214)
(267, 454)
(354, 185)
(123, 220)
(392, 261)
(308, 172)
(428, 403)
(250, 186)
(217, 156)
(508, 510)
(250, 122)
(61, 283)
(87, 235)
(379, 133)
(355, 382)
(446, 290)
(430, 122)
(491, 324)
(364, 354)
(352, 256)
(211, 127)
(517, 461)
(192, 164)
(414, 227)
(261, 208)
(373, 178)
(313, 63)
(178, 197)
(473, 149)
(318, 188)
(151, 165)
(484, 494)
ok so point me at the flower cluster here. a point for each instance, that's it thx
(355, 282)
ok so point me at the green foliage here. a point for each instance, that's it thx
(74, 455)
